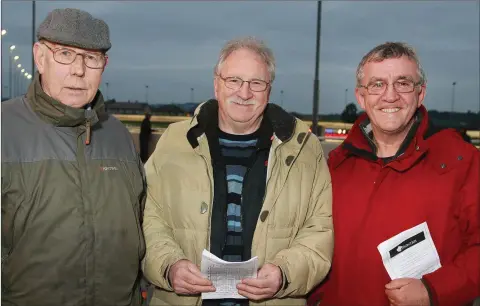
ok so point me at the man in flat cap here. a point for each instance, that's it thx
(72, 182)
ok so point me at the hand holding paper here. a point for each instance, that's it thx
(186, 278)
(411, 253)
(265, 286)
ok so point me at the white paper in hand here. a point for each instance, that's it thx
(226, 275)
(411, 253)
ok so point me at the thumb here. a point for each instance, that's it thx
(194, 269)
(398, 283)
(263, 271)
(266, 270)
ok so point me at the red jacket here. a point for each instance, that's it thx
(436, 180)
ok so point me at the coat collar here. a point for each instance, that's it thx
(206, 119)
(358, 143)
(59, 114)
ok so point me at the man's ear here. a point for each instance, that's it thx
(421, 94)
(106, 63)
(269, 91)
(360, 95)
(39, 55)
(216, 87)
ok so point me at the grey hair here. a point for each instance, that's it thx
(391, 50)
(252, 44)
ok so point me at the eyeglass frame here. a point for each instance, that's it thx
(415, 84)
(55, 50)
(224, 79)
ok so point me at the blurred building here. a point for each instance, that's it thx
(134, 108)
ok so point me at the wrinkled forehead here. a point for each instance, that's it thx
(392, 68)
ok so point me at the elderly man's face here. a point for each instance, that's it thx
(243, 105)
(72, 84)
(390, 112)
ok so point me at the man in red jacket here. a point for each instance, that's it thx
(395, 172)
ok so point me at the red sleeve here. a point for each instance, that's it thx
(458, 282)
(315, 296)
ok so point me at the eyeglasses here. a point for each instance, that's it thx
(67, 56)
(400, 86)
(236, 83)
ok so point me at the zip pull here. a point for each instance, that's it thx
(88, 124)
(87, 139)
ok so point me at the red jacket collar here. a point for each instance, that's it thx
(357, 144)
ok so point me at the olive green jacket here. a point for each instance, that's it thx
(71, 211)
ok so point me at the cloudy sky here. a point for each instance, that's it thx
(172, 46)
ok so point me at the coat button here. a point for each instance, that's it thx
(443, 166)
(264, 215)
(301, 137)
(460, 157)
(417, 148)
(203, 208)
(289, 160)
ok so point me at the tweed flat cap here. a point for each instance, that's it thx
(76, 28)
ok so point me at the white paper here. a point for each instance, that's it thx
(411, 253)
(226, 275)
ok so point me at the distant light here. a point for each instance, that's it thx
(26, 74)
(4, 32)
(19, 65)
(29, 76)
(22, 70)
(344, 131)
(12, 47)
(339, 131)
(16, 57)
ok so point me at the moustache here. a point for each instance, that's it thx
(241, 101)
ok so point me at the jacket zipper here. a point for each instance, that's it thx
(88, 125)
(81, 160)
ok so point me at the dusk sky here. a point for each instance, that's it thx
(173, 46)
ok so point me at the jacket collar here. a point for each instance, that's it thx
(205, 119)
(59, 114)
(359, 143)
